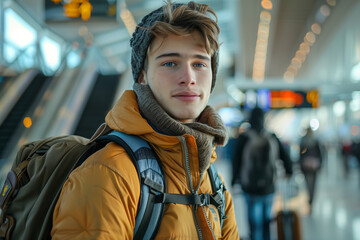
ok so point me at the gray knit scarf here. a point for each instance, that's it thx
(208, 130)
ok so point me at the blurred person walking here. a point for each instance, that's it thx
(254, 169)
(310, 161)
(355, 151)
(345, 155)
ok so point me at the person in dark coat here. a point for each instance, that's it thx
(257, 189)
(355, 151)
(310, 161)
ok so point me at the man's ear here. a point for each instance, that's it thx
(141, 79)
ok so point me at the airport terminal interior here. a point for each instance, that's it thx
(64, 63)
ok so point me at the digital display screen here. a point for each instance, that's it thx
(56, 10)
(278, 99)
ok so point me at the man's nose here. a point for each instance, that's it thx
(187, 75)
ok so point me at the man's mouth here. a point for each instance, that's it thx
(187, 96)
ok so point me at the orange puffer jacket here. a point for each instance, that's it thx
(100, 198)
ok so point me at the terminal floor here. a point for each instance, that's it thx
(336, 208)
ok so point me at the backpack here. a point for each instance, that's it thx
(257, 171)
(40, 169)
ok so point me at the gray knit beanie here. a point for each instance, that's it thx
(141, 39)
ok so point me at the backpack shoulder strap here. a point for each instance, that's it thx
(218, 191)
(152, 182)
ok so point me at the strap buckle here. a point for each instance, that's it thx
(204, 199)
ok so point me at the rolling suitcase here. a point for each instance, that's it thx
(287, 221)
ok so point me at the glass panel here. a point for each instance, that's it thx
(17, 31)
(51, 51)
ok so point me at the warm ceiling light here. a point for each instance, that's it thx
(27, 122)
(83, 31)
(296, 62)
(300, 55)
(260, 54)
(325, 10)
(128, 19)
(265, 16)
(261, 47)
(292, 69)
(304, 47)
(310, 38)
(266, 4)
(331, 2)
(316, 28)
(289, 77)
(264, 27)
(258, 72)
(303, 52)
(261, 41)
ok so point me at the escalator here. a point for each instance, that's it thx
(13, 122)
(100, 102)
(4, 81)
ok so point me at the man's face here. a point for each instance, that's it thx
(179, 74)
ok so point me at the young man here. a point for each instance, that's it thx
(174, 63)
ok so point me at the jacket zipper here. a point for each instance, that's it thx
(208, 222)
(187, 165)
(203, 208)
(188, 174)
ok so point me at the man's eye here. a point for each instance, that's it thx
(199, 65)
(169, 64)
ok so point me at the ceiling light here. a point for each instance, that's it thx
(315, 28)
(265, 16)
(339, 108)
(289, 76)
(325, 10)
(296, 63)
(310, 38)
(292, 69)
(355, 102)
(266, 4)
(304, 47)
(83, 31)
(261, 47)
(128, 20)
(300, 56)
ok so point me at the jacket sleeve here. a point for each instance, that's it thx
(284, 156)
(237, 158)
(230, 229)
(98, 201)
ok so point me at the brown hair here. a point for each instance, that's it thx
(187, 18)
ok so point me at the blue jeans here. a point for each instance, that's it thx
(259, 215)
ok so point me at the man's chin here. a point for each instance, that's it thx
(186, 118)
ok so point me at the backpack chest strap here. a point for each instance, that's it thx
(204, 199)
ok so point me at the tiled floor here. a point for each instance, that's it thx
(336, 207)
